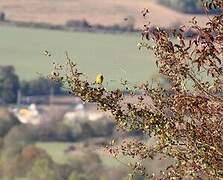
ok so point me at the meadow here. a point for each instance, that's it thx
(115, 55)
(56, 151)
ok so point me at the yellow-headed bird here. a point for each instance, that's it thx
(99, 79)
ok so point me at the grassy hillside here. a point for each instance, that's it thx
(116, 56)
(102, 12)
(56, 151)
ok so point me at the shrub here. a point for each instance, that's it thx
(9, 84)
(2, 16)
(191, 131)
(101, 128)
(16, 139)
(40, 86)
(78, 24)
(54, 131)
(21, 164)
(82, 129)
(7, 121)
(74, 176)
(186, 6)
(42, 170)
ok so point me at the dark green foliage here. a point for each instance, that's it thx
(21, 164)
(43, 169)
(87, 165)
(40, 86)
(70, 132)
(9, 84)
(16, 139)
(54, 131)
(74, 176)
(186, 6)
(102, 127)
(2, 16)
(7, 121)
(21, 159)
(80, 130)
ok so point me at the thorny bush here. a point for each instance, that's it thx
(187, 119)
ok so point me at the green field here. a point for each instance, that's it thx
(114, 55)
(56, 151)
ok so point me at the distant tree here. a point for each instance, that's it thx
(87, 165)
(9, 84)
(43, 170)
(186, 6)
(78, 24)
(75, 176)
(16, 139)
(21, 164)
(7, 121)
(2, 16)
(28, 158)
(54, 131)
(72, 176)
(102, 127)
(41, 86)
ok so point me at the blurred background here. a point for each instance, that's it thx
(46, 134)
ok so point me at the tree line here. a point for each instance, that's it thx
(186, 6)
(10, 85)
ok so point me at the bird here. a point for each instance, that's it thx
(99, 79)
